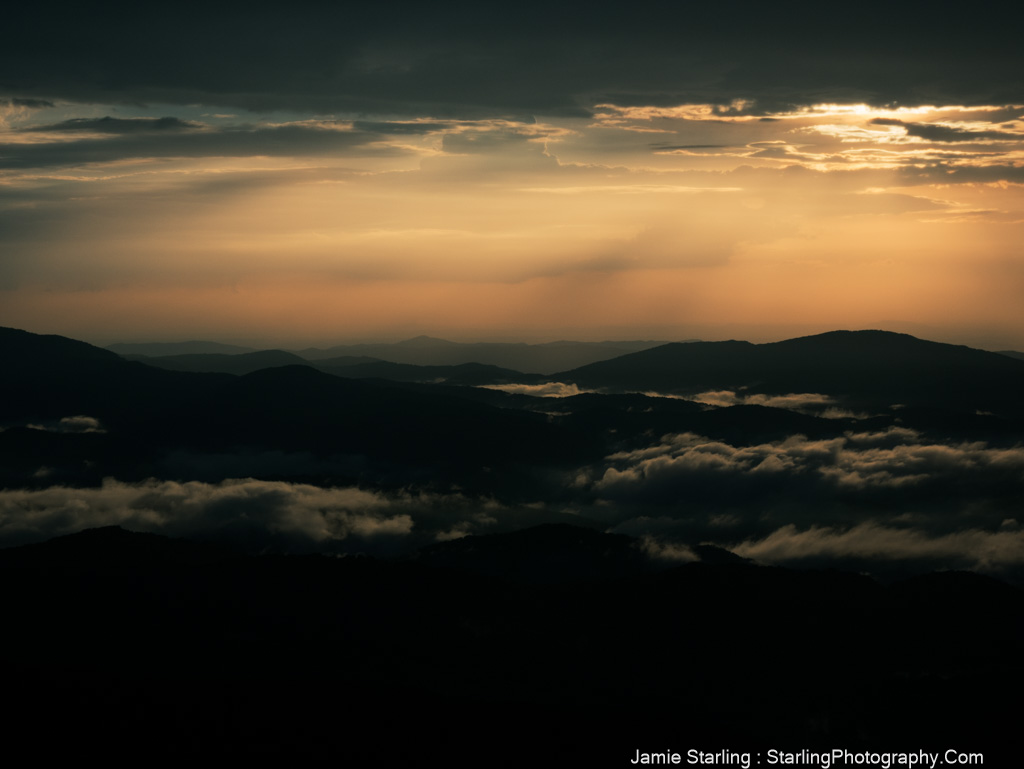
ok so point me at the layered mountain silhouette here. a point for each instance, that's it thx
(221, 363)
(608, 643)
(531, 358)
(155, 349)
(419, 351)
(148, 412)
(350, 366)
(452, 432)
(862, 369)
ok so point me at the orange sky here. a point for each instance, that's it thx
(637, 222)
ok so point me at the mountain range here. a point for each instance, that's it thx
(870, 368)
(387, 420)
(807, 543)
(422, 351)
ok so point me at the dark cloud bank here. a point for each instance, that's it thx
(460, 58)
(139, 138)
(889, 502)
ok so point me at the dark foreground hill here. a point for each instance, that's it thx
(136, 645)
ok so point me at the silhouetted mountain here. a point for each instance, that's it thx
(717, 555)
(531, 358)
(241, 363)
(403, 432)
(42, 351)
(1012, 354)
(159, 349)
(113, 548)
(467, 374)
(297, 407)
(551, 553)
(631, 419)
(868, 368)
(149, 412)
(742, 425)
(352, 366)
(557, 553)
(342, 361)
(49, 377)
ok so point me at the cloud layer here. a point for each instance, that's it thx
(847, 469)
(532, 57)
(866, 500)
(889, 501)
(258, 515)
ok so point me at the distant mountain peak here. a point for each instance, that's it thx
(873, 335)
(424, 340)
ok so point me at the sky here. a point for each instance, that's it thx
(285, 175)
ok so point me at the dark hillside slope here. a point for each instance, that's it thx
(148, 412)
(127, 642)
(871, 367)
(223, 363)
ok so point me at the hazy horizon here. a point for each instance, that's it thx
(756, 335)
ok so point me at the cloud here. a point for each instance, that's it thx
(942, 133)
(18, 109)
(27, 103)
(262, 515)
(986, 551)
(547, 390)
(951, 173)
(887, 501)
(454, 60)
(112, 125)
(75, 424)
(144, 141)
(481, 142)
(256, 514)
(666, 147)
(667, 552)
(859, 499)
(813, 404)
(81, 424)
(886, 475)
(858, 460)
(806, 402)
(402, 128)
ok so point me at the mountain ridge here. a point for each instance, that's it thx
(875, 368)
